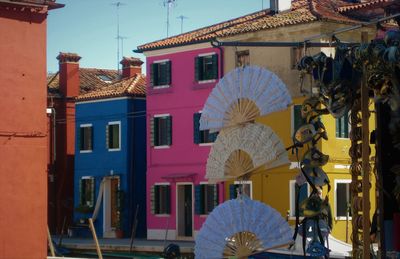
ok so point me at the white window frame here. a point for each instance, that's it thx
(292, 198)
(202, 55)
(164, 184)
(246, 182)
(347, 181)
(161, 116)
(348, 127)
(119, 132)
(160, 62)
(87, 125)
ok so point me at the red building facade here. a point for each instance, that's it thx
(24, 128)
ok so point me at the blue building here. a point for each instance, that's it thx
(110, 154)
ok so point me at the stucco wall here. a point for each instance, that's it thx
(23, 131)
(181, 100)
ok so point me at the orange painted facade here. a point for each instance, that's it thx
(23, 130)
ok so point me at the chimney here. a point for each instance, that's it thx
(131, 66)
(69, 74)
(278, 6)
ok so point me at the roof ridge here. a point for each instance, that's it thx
(229, 23)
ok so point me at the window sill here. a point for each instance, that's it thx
(162, 215)
(206, 144)
(161, 147)
(160, 89)
(341, 138)
(203, 215)
(114, 149)
(207, 81)
(204, 84)
(85, 151)
(341, 218)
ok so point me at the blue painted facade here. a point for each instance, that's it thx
(128, 163)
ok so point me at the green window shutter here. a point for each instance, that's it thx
(337, 127)
(214, 66)
(232, 191)
(152, 131)
(153, 199)
(168, 199)
(153, 74)
(92, 187)
(169, 130)
(78, 138)
(196, 125)
(90, 138)
(197, 67)
(107, 136)
(297, 119)
(346, 125)
(81, 195)
(199, 202)
(213, 136)
(168, 73)
(216, 195)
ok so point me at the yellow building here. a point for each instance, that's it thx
(276, 187)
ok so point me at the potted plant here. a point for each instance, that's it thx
(119, 233)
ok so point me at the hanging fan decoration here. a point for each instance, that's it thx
(240, 151)
(243, 95)
(239, 228)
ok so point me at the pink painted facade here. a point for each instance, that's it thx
(183, 162)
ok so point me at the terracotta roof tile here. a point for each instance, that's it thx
(358, 6)
(133, 86)
(302, 11)
(90, 79)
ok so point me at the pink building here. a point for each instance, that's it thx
(178, 84)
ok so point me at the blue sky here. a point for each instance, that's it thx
(89, 27)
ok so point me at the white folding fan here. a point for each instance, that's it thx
(243, 95)
(239, 228)
(244, 150)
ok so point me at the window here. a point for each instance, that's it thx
(201, 136)
(85, 138)
(302, 194)
(160, 74)
(242, 58)
(342, 198)
(113, 136)
(86, 192)
(342, 126)
(206, 198)
(161, 130)
(206, 67)
(241, 187)
(295, 56)
(160, 198)
(297, 120)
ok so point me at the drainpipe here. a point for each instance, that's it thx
(221, 68)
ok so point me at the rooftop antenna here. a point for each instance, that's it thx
(117, 5)
(122, 38)
(182, 18)
(169, 4)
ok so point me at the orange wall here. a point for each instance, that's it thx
(23, 166)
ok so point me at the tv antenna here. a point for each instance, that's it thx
(119, 37)
(169, 4)
(182, 18)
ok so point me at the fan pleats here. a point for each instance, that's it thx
(241, 227)
(243, 150)
(243, 95)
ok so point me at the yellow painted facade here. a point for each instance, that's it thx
(273, 187)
